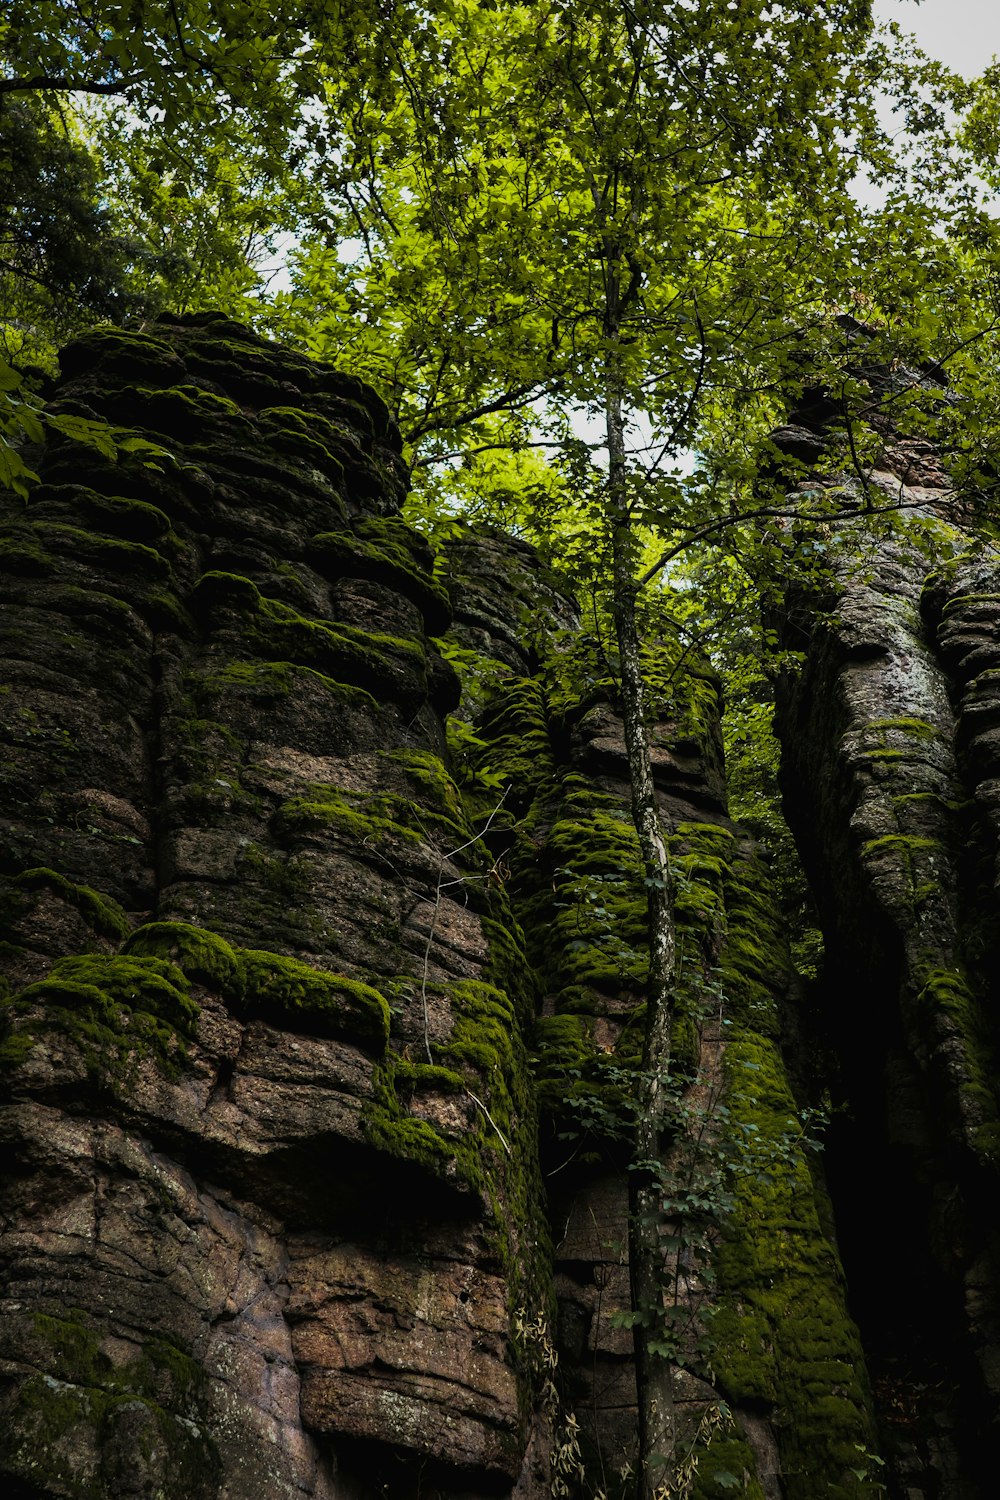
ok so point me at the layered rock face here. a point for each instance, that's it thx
(326, 986)
(238, 1224)
(890, 766)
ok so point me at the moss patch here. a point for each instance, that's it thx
(271, 680)
(72, 1424)
(371, 819)
(101, 913)
(289, 992)
(277, 632)
(271, 985)
(116, 1010)
(388, 552)
(780, 1330)
(945, 1002)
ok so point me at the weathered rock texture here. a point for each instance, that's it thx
(323, 1004)
(240, 1229)
(891, 765)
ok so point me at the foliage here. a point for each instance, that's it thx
(58, 247)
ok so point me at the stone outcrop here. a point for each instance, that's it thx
(251, 1232)
(890, 773)
(324, 935)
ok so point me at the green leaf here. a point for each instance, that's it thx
(14, 472)
(92, 433)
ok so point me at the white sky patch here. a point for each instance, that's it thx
(965, 34)
(640, 441)
(274, 269)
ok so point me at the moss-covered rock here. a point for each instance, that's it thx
(114, 1009)
(82, 1425)
(279, 633)
(101, 913)
(272, 986)
(386, 551)
(780, 1331)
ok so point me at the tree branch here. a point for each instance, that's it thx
(62, 83)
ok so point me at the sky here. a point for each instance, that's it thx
(965, 34)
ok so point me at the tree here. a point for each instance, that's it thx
(640, 241)
(57, 241)
(666, 229)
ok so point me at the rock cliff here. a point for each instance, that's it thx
(324, 941)
(890, 766)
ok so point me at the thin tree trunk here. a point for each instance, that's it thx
(646, 1258)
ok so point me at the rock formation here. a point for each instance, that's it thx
(890, 771)
(323, 929)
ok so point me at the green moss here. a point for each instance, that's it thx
(511, 746)
(386, 551)
(74, 1349)
(129, 519)
(276, 878)
(156, 986)
(726, 1467)
(780, 1331)
(731, 943)
(284, 990)
(417, 1143)
(102, 914)
(72, 1353)
(562, 1048)
(916, 728)
(203, 956)
(276, 632)
(118, 349)
(910, 864)
(369, 819)
(493, 1152)
(271, 985)
(965, 601)
(278, 679)
(115, 1009)
(218, 589)
(182, 410)
(483, 1030)
(305, 435)
(583, 912)
(949, 804)
(360, 818)
(92, 604)
(80, 1404)
(897, 843)
(134, 559)
(423, 1078)
(264, 679)
(23, 557)
(945, 1000)
(431, 781)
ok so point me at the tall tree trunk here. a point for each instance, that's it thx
(646, 1258)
